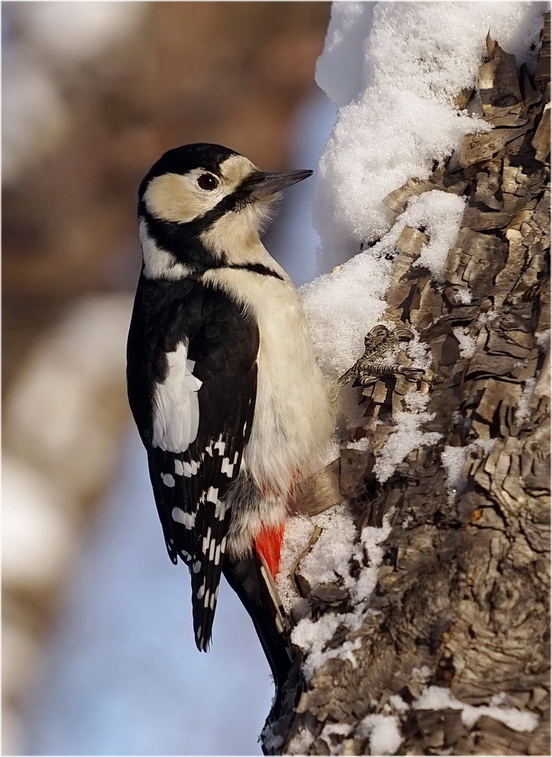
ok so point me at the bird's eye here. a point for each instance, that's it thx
(207, 181)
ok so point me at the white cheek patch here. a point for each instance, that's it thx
(177, 198)
(176, 404)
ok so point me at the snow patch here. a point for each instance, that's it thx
(406, 436)
(419, 352)
(523, 411)
(483, 319)
(441, 214)
(398, 703)
(313, 636)
(337, 729)
(463, 296)
(299, 744)
(454, 459)
(298, 531)
(383, 732)
(466, 342)
(332, 553)
(356, 291)
(543, 339)
(439, 698)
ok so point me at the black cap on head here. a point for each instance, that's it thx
(180, 160)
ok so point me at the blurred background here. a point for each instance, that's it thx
(98, 654)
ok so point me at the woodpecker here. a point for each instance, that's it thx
(223, 383)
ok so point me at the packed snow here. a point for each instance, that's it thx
(466, 342)
(356, 290)
(383, 732)
(454, 460)
(440, 698)
(407, 435)
(394, 70)
(543, 339)
(523, 410)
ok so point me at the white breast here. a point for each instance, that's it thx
(176, 405)
(294, 419)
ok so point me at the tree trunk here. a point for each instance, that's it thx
(459, 615)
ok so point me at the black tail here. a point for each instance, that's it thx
(251, 580)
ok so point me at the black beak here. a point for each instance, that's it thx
(261, 184)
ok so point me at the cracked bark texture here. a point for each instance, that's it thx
(462, 593)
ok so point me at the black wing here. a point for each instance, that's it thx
(190, 485)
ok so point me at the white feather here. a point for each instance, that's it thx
(176, 405)
(158, 263)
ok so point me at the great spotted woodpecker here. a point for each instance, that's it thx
(222, 380)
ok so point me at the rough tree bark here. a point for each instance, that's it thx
(462, 595)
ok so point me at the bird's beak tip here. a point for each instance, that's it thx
(264, 183)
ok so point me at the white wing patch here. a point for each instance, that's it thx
(176, 406)
(187, 519)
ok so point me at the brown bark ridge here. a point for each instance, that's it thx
(451, 656)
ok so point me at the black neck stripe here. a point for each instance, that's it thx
(255, 268)
(182, 242)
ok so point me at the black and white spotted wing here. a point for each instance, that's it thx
(195, 401)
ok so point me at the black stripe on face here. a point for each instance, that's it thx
(229, 204)
(176, 237)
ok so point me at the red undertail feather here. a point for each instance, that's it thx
(269, 544)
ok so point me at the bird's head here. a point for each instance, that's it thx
(208, 196)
